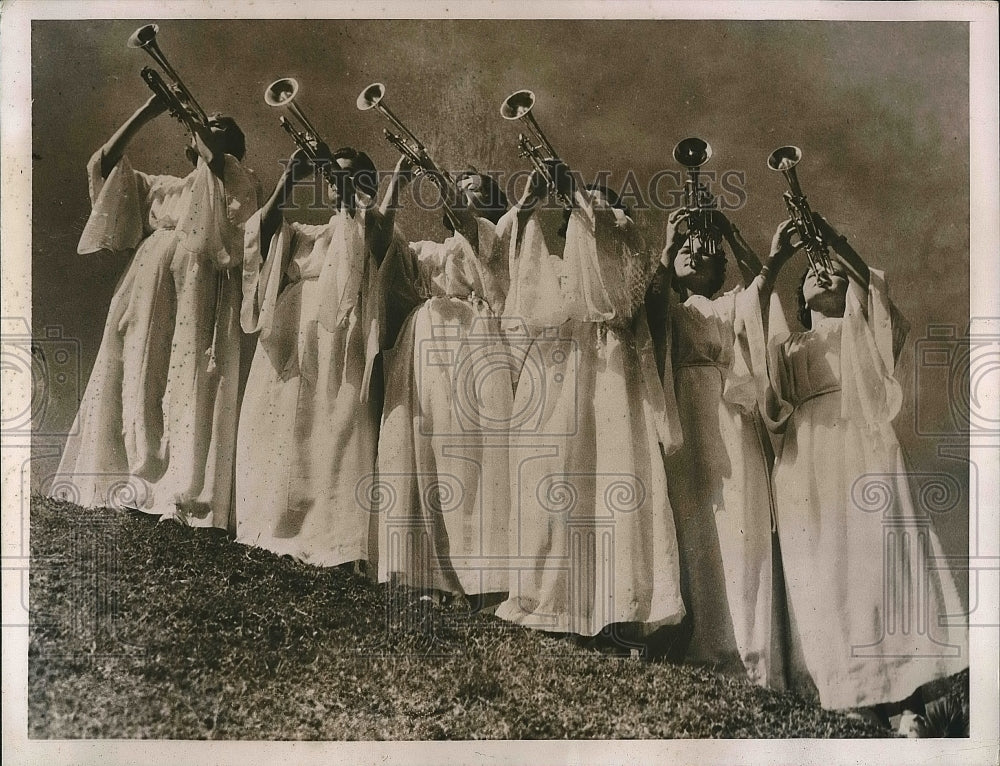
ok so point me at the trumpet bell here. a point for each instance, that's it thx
(784, 158)
(281, 92)
(692, 152)
(517, 105)
(144, 36)
(371, 96)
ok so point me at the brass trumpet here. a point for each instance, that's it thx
(175, 94)
(410, 147)
(692, 153)
(541, 154)
(783, 160)
(281, 94)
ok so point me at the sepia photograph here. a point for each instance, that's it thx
(585, 383)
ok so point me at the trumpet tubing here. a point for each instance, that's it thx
(692, 153)
(534, 146)
(283, 94)
(371, 98)
(783, 160)
(180, 102)
(407, 144)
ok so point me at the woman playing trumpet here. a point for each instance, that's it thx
(872, 617)
(159, 414)
(593, 547)
(309, 421)
(442, 460)
(718, 477)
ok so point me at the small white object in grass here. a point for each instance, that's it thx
(912, 725)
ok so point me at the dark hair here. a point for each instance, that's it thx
(804, 315)
(363, 171)
(234, 142)
(493, 195)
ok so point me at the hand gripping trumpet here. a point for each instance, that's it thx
(518, 106)
(410, 147)
(281, 94)
(178, 99)
(692, 153)
(783, 160)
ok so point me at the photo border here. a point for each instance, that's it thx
(15, 244)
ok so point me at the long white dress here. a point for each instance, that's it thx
(156, 429)
(592, 538)
(719, 482)
(867, 584)
(309, 426)
(444, 491)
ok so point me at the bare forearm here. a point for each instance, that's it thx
(112, 151)
(768, 276)
(390, 202)
(747, 260)
(525, 207)
(207, 146)
(856, 266)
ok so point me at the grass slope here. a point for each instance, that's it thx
(153, 631)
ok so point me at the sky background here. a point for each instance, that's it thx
(880, 110)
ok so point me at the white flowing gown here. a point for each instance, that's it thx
(444, 490)
(592, 539)
(308, 426)
(874, 608)
(156, 429)
(719, 482)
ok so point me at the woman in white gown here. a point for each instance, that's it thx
(719, 477)
(444, 493)
(156, 428)
(592, 536)
(872, 615)
(309, 422)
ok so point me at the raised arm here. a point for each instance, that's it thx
(402, 174)
(782, 249)
(209, 147)
(857, 269)
(112, 151)
(746, 258)
(534, 192)
(468, 220)
(271, 215)
(385, 221)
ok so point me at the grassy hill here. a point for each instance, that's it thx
(154, 631)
